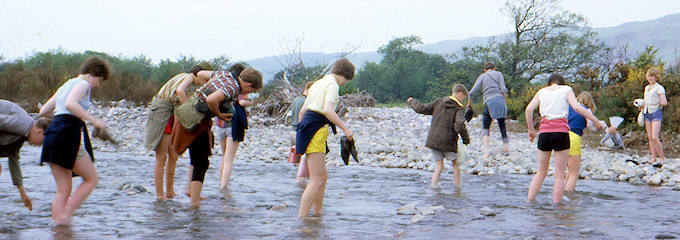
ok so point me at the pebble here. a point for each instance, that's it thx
(487, 211)
(393, 138)
(418, 218)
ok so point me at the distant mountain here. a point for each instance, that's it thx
(663, 33)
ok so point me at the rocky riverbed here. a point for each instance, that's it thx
(395, 138)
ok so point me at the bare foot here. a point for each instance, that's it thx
(201, 198)
(63, 221)
(170, 195)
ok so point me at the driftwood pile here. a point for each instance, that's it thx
(277, 103)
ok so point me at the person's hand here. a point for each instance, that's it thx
(226, 116)
(349, 135)
(532, 135)
(27, 201)
(612, 130)
(409, 99)
(598, 125)
(99, 124)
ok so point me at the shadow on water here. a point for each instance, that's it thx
(361, 202)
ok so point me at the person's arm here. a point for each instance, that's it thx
(329, 112)
(459, 125)
(246, 102)
(303, 111)
(571, 98)
(17, 178)
(475, 88)
(662, 99)
(48, 107)
(427, 109)
(78, 92)
(181, 91)
(203, 77)
(213, 101)
(529, 114)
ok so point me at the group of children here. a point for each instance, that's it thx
(67, 149)
(563, 118)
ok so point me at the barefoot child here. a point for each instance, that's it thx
(448, 121)
(553, 102)
(317, 114)
(66, 146)
(292, 119)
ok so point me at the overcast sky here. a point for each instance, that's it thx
(245, 30)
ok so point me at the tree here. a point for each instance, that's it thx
(545, 39)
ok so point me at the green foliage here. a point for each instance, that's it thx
(33, 80)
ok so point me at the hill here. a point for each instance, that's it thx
(663, 33)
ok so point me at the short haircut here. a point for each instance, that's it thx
(343, 67)
(309, 84)
(236, 69)
(42, 123)
(459, 88)
(252, 76)
(586, 99)
(95, 66)
(654, 72)
(556, 78)
(489, 65)
(203, 65)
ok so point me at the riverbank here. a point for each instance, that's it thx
(394, 138)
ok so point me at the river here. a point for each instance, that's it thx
(361, 202)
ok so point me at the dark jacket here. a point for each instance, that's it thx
(448, 121)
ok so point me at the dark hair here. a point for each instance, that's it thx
(556, 78)
(203, 65)
(252, 76)
(343, 67)
(236, 69)
(95, 66)
(489, 65)
(42, 123)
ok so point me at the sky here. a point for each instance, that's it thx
(245, 30)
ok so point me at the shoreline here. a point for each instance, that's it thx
(394, 138)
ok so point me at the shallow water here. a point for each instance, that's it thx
(361, 202)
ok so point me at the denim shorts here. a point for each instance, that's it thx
(656, 116)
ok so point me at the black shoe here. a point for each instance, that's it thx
(353, 151)
(344, 150)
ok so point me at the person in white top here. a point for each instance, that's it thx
(554, 101)
(655, 99)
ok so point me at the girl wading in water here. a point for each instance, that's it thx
(66, 146)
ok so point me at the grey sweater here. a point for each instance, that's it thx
(15, 123)
(491, 83)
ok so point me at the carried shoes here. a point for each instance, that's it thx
(346, 149)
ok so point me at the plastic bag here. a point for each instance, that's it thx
(463, 154)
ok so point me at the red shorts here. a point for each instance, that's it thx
(168, 128)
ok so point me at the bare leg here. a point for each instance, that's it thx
(652, 148)
(170, 172)
(656, 128)
(537, 181)
(573, 167)
(317, 183)
(560, 166)
(228, 161)
(62, 177)
(85, 168)
(196, 187)
(303, 171)
(159, 169)
(456, 173)
(485, 139)
(223, 146)
(438, 169)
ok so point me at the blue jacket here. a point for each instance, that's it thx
(310, 124)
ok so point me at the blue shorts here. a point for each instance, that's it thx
(656, 116)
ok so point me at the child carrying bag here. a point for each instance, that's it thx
(188, 115)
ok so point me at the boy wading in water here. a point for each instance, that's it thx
(448, 121)
(317, 114)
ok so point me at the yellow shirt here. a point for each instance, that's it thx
(323, 90)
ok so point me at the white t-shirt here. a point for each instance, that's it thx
(553, 102)
(652, 97)
(323, 90)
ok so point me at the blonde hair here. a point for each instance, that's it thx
(655, 72)
(586, 99)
